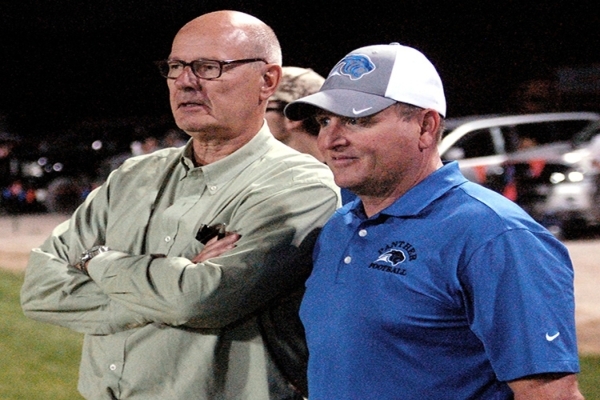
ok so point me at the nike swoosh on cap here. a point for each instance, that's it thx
(356, 112)
(551, 338)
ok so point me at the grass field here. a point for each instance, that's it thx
(40, 361)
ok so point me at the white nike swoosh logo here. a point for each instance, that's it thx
(356, 112)
(551, 338)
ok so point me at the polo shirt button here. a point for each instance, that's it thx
(167, 238)
(362, 233)
(213, 188)
(112, 367)
(347, 260)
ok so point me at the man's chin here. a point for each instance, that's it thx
(189, 123)
(344, 183)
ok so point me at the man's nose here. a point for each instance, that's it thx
(331, 136)
(187, 78)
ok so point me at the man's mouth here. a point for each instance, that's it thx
(190, 104)
(341, 160)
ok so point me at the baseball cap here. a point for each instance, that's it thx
(370, 79)
(297, 82)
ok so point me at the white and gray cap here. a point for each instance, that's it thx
(370, 79)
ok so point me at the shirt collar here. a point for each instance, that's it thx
(418, 197)
(225, 169)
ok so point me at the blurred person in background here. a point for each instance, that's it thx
(295, 83)
(17, 194)
(300, 135)
(168, 265)
(174, 138)
(147, 145)
(428, 285)
(9, 164)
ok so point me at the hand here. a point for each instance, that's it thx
(82, 267)
(215, 247)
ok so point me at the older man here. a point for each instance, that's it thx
(170, 312)
(428, 286)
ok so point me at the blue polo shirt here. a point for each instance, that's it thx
(446, 294)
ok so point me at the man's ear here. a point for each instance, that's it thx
(430, 126)
(271, 78)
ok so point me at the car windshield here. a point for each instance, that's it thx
(549, 132)
(508, 138)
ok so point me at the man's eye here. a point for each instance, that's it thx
(322, 120)
(351, 121)
(175, 66)
(207, 67)
(364, 122)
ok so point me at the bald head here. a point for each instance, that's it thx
(224, 111)
(235, 29)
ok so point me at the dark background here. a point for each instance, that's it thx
(64, 61)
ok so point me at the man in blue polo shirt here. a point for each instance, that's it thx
(428, 286)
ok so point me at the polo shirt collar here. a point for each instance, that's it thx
(420, 196)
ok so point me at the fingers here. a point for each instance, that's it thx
(215, 247)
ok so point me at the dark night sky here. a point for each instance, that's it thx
(63, 61)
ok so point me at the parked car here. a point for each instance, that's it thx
(547, 163)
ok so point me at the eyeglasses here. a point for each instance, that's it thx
(205, 69)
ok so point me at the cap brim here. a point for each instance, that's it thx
(344, 102)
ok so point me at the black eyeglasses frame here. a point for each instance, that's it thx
(164, 66)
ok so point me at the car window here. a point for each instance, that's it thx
(499, 140)
(479, 143)
(548, 132)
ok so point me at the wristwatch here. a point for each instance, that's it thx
(88, 255)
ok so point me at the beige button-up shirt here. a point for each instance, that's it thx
(166, 328)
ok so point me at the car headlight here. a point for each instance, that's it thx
(572, 176)
(575, 176)
(557, 177)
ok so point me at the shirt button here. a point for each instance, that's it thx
(362, 233)
(112, 367)
(213, 188)
(347, 260)
(167, 238)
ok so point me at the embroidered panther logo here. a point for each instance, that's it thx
(393, 257)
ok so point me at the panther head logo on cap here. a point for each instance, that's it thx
(354, 66)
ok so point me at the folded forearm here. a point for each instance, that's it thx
(55, 293)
